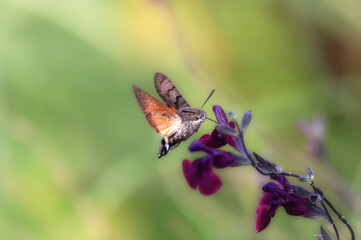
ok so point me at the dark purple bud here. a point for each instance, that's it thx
(310, 173)
(304, 179)
(301, 191)
(239, 160)
(324, 234)
(267, 165)
(226, 129)
(246, 119)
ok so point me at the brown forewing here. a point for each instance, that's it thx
(168, 91)
(160, 117)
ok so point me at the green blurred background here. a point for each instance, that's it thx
(77, 158)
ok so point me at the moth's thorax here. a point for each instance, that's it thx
(192, 119)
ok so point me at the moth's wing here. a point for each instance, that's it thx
(160, 117)
(168, 91)
(166, 125)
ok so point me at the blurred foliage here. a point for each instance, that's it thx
(77, 159)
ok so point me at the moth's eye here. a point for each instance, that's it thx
(195, 118)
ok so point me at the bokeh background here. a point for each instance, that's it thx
(78, 160)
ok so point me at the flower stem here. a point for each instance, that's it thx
(340, 216)
(330, 220)
(316, 189)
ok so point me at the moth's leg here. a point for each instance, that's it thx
(174, 145)
(166, 144)
(164, 147)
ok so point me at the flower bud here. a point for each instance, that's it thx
(301, 191)
(246, 119)
(310, 173)
(267, 165)
(304, 179)
(226, 130)
(324, 235)
(239, 160)
(232, 115)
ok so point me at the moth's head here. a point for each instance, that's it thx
(194, 115)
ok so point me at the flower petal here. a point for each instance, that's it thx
(295, 209)
(199, 172)
(230, 139)
(268, 199)
(283, 180)
(220, 114)
(215, 140)
(222, 159)
(268, 206)
(315, 210)
(263, 218)
(199, 146)
(273, 188)
(264, 215)
(274, 207)
(210, 183)
(296, 205)
(205, 138)
(190, 173)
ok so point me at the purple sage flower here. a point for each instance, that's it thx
(199, 173)
(274, 197)
(217, 139)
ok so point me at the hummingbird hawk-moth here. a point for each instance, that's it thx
(174, 122)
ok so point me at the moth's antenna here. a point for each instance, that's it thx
(211, 120)
(210, 95)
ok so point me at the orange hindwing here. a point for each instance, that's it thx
(162, 118)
